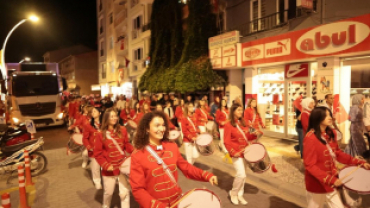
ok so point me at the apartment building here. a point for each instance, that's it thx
(279, 50)
(123, 37)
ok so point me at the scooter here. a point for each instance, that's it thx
(12, 156)
(12, 135)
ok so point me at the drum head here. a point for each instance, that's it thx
(77, 138)
(200, 198)
(173, 135)
(204, 139)
(254, 152)
(132, 124)
(358, 181)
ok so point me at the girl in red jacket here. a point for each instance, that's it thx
(222, 114)
(90, 131)
(190, 132)
(253, 118)
(151, 186)
(321, 173)
(236, 136)
(111, 147)
(202, 116)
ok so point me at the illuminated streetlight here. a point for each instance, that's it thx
(25, 59)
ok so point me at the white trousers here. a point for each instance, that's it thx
(222, 144)
(202, 129)
(239, 181)
(124, 190)
(318, 200)
(189, 152)
(182, 135)
(94, 166)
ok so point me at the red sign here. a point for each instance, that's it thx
(296, 70)
(343, 37)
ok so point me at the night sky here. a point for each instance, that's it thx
(62, 23)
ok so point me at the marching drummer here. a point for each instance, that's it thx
(190, 132)
(80, 122)
(90, 130)
(170, 124)
(222, 114)
(109, 146)
(125, 114)
(321, 154)
(202, 116)
(236, 135)
(253, 118)
(179, 113)
(137, 113)
(149, 187)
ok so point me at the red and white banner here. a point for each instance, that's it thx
(343, 37)
(229, 50)
(296, 70)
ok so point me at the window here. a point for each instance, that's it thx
(112, 66)
(111, 43)
(258, 10)
(100, 5)
(137, 22)
(101, 30)
(110, 18)
(104, 71)
(138, 54)
(102, 48)
(134, 67)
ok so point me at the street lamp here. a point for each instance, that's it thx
(25, 59)
(32, 19)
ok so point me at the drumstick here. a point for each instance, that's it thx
(182, 198)
(350, 173)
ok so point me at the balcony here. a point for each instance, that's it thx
(145, 27)
(135, 34)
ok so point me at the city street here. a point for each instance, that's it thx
(66, 184)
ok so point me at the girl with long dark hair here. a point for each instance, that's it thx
(253, 118)
(190, 131)
(236, 136)
(111, 147)
(90, 130)
(202, 116)
(149, 186)
(320, 156)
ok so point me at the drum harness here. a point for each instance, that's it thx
(115, 143)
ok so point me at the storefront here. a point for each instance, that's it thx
(327, 59)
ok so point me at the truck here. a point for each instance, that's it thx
(34, 92)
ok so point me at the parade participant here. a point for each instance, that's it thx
(97, 101)
(253, 118)
(77, 106)
(149, 186)
(179, 112)
(71, 109)
(90, 130)
(202, 116)
(109, 144)
(236, 136)
(136, 113)
(132, 101)
(205, 98)
(321, 155)
(222, 115)
(170, 124)
(80, 122)
(126, 113)
(308, 104)
(189, 131)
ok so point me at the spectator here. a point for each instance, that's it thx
(121, 103)
(168, 110)
(153, 102)
(172, 98)
(189, 99)
(214, 106)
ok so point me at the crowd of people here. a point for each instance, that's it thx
(127, 142)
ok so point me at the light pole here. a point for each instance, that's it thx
(25, 59)
(31, 18)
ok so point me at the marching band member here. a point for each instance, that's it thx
(109, 144)
(236, 136)
(179, 114)
(159, 107)
(253, 118)
(90, 130)
(222, 114)
(71, 109)
(137, 113)
(125, 114)
(80, 122)
(202, 116)
(149, 186)
(189, 130)
(321, 154)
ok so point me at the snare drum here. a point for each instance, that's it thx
(204, 144)
(257, 158)
(354, 185)
(125, 166)
(75, 144)
(174, 136)
(199, 198)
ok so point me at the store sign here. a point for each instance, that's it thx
(296, 70)
(346, 37)
(229, 61)
(229, 50)
(223, 40)
(216, 63)
(215, 53)
(95, 87)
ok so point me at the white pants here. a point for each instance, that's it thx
(222, 144)
(202, 129)
(317, 200)
(109, 186)
(189, 152)
(182, 135)
(94, 166)
(239, 181)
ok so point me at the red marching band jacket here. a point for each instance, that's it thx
(179, 113)
(248, 117)
(321, 172)
(202, 116)
(89, 137)
(107, 154)
(125, 116)
(189, 130)
(151, 186)
(221, 116)
(80, 122)
(234, 139)
(71, 109)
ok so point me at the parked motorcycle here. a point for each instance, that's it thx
(12, 156)
(12, 135)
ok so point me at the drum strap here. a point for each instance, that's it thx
(203, 113)
(224, 113)
(192, 124)
(115, 143)
(160, 162)
(237, 126)
(331, 152)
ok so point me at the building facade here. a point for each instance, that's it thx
(57, 55)
(289, 48)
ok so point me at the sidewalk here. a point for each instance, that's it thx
(288, 182)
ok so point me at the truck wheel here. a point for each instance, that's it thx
(42, 162)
